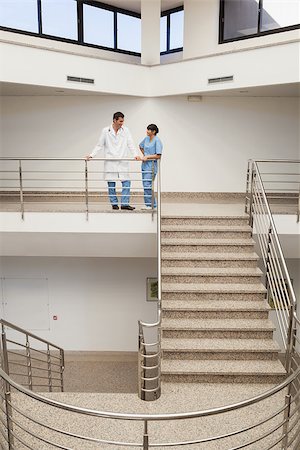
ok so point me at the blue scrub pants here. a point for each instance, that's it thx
(147, 184)
(125, 193)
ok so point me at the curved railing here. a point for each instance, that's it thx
(149, 353)
(51, 422)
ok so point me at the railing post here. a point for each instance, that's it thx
(268, 253)
(285, 427)
(21, 189)
(49, 368)
(29, 368)
(86, 190)
(7, 393)
(247, 199)
(146, 436)
(298, 210)
(251, 198)
(61, 369)
(141, 371)
(290, 340)
(152, 189)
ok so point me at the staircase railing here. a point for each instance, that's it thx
(149, 348)
(32, 361)
(27, 179)
(280, 292)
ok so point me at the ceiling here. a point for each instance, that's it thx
(135, 5)
(284, 90)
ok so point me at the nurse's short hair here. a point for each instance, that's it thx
(153, 127)
(117, 115)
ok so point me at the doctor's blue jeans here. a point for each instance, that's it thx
(125, 196)
(147, 184)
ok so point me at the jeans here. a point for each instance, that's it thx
(147, 183)
(125, 192)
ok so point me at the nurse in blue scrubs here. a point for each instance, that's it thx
(151, 148)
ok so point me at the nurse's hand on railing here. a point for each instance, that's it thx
(88, 157)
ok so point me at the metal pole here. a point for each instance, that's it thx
(62, 367)
(247, 199)
(285, 427)
(290, 340)
(49, 368)
(146, 436)
(7, 393)
(251, 197)
(21, 189)
(29, 368)
(298, 210)
(152, 189)
(86, 190)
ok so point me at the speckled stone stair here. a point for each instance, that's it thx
(222, 260)
(219, 371)
(215, 309)
(210, 275)
(215, 325)
(224, 349)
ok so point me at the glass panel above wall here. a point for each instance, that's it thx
(163, 34)
(176, 30)
(59, 18)
(240, 18)
(19, 14)
(279, 14)
(98, 26)
(128, 33)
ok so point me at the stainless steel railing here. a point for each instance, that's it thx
(30, 360)
(149, 349)
(25, 180)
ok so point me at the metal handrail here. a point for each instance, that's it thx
(84, 184)
(27, 359)
(142, 370)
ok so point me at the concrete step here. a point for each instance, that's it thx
(224, 349)
(218, 371)
(204, 220)
(192, 259)
(207, 245)
(214, 309)
(210, 275)
(214, 288)
(206, 231)
(217, 328)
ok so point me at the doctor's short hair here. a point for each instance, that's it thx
(117, 115)
(153, 127)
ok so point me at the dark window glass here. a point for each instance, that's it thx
(176, 30)
(19, 14)
(98, 26)
(129, 33)
(59, 18)
(163, 34)
(281, 14)
(240, 18)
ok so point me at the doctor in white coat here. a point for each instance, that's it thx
(116, 142)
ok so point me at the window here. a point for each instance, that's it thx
(129, 33)
(171, 30)
(241, 19)
(98, 26)
(19, 14)
(84, 22)
(59, 18)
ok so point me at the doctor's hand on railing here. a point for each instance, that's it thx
(137, 158)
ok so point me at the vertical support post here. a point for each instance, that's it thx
(29, 368)
(298, 210)
(141, 362)
(61, 369)
(146, 436)
(86, 190)
(268, 253)
(287, 412)
(290, 340)
(7, 393)
(247, 199)
(252, 185)
(21, 189)
(152, 189)
(49, 368)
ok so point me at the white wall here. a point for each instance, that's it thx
(206, 144)
(98, 301)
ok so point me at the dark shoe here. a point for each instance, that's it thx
(115, 207)
(128, 207)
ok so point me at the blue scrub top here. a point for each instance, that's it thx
(153, 147)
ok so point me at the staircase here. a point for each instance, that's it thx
(215, 326)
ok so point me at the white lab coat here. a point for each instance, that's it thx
(114, 145)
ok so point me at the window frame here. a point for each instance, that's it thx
(168, 14)
(79, 40)
(250, 36)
